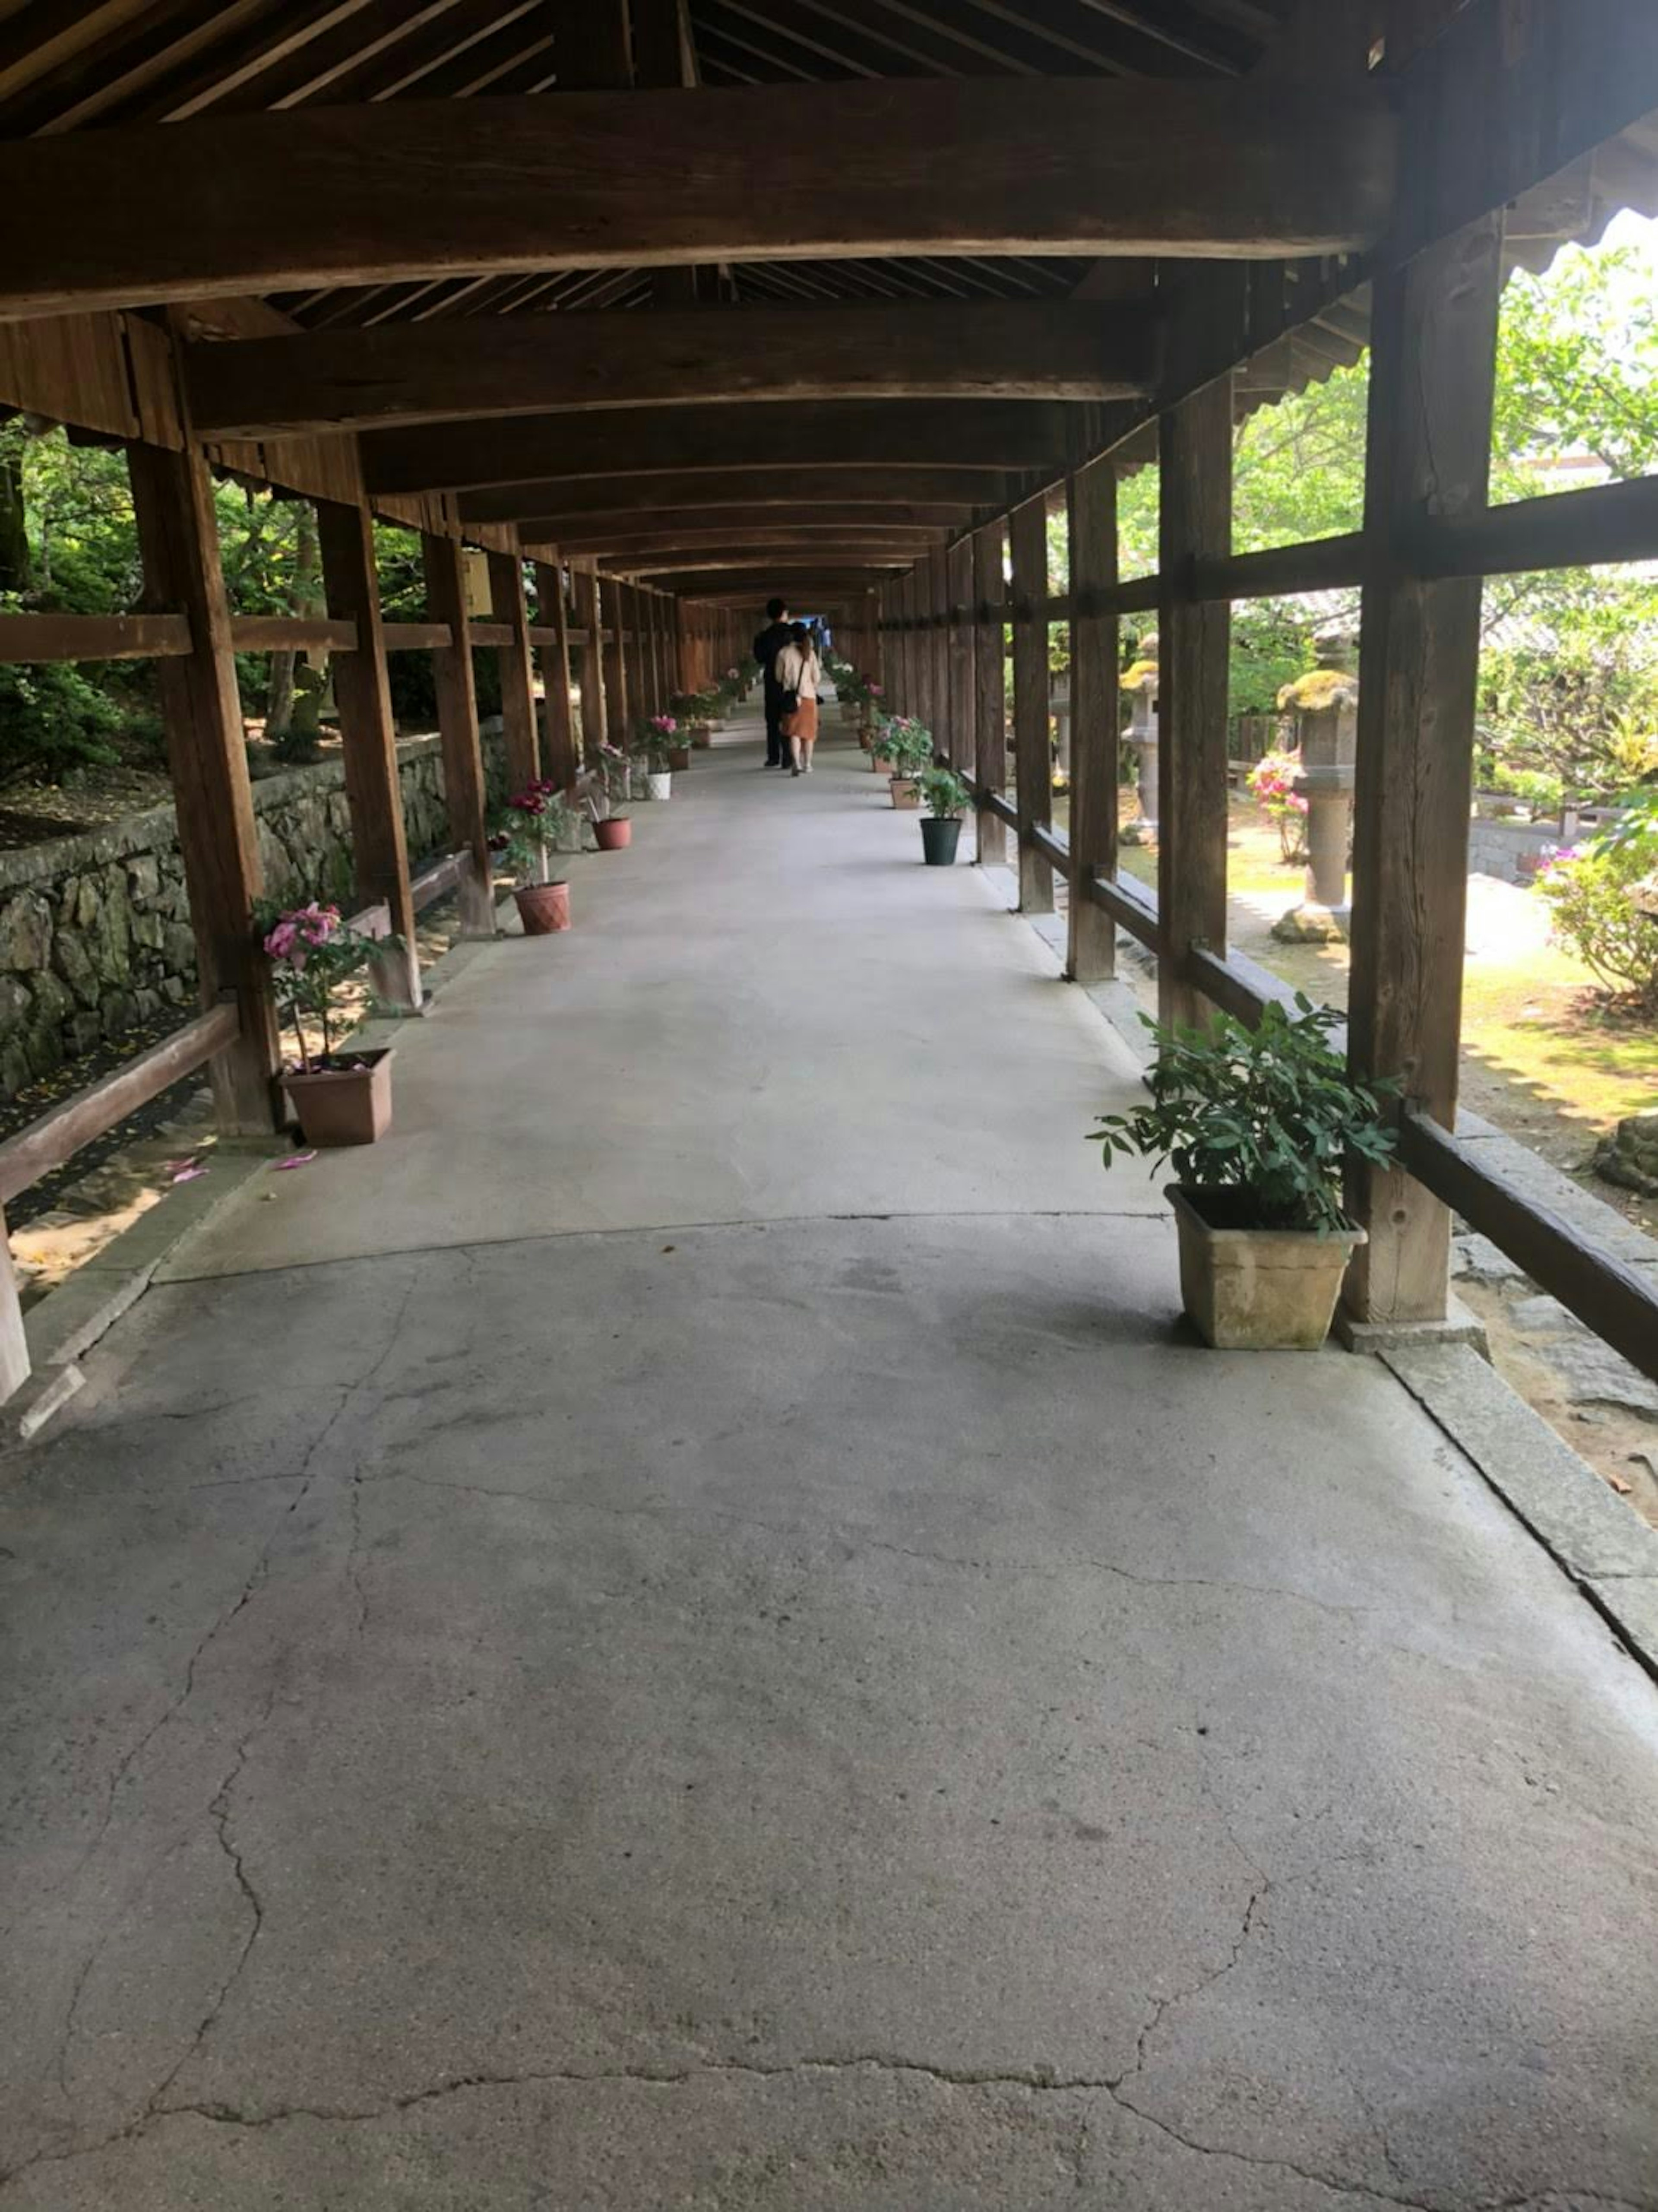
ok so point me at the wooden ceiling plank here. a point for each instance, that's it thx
(1068, 165)
(303, 48)
(1000, 435)
(920, 491)
(533, 364)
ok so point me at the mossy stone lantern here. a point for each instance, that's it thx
(1324, 706)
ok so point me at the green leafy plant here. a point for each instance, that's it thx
(947, 795)
(525, 832)
(653, 740)
(1596, 899)
(906, 744)
(1269, 1116)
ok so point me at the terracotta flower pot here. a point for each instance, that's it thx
(542, 907)
(906, 791)
(613, 833)
(702, 737)
(679, 756)
(880, 762)
(350, 1105)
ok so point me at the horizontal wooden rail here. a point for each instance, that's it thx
(491, 633)
(58, 1135)
(1615, 1301)
(292, 633)
(1129, 904)
(1238, 985)
(996, 803)
(1567, 529)
(26, 638)
(417, 636)
(1283, 572)
(438, 877)
(1054, 848)
(543, 634)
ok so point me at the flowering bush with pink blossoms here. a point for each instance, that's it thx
(1596, 897)
(312, 952)
(532, 821)
(1272, 783)
(654, 739)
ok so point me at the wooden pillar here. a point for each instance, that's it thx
(558, 738)
(345, 536)
(207, 752)
(630, 610)
(1434, 330)
(1032, 759)
(1095, 716)
(518, 697)
(1196, 523)
(937, 573)
(616, 663)
(874, 652)
(990, 688)
(590, 618)
(964, 751)
(464, 796)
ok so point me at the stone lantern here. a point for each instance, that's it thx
(1324, 706)
(1140, 683)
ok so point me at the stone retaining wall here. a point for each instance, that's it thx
(94, 930)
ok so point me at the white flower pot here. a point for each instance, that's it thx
(661, 786)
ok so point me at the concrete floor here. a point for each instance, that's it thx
(689, 1632)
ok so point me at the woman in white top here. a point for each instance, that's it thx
(799, 671)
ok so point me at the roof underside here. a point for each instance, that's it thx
(89, 65)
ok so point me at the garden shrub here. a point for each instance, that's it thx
(1592, 896)
(53, 719)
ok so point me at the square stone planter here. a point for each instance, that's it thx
(1256, 1289)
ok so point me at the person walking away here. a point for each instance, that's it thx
(799, 671)
(767, 646)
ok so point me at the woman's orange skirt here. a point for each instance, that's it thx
(802, 723)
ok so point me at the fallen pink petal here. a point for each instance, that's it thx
(294, 1160)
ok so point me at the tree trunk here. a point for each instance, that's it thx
(306, 598)
(15, 564)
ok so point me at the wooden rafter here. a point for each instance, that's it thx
(646, 178)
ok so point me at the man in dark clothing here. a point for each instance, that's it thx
(767, 646)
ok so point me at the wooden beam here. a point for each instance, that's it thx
(396, 373)
(808, 439)
(1432, 380)
(617, 701)
(990, 691)
(1043, 166)
(518, 706)
(558, 747)
(681, 525)
(207, 753)
(590, 670)
(960, 724)
(369, 739)
(90, 1113)
(1096, 716)
(917, 493)
(445, 566)
(1195, 524)
(1032, 752)
(1571, 530)
(291, 633)
(1618, 1301)
(31, 639)
(822, 550)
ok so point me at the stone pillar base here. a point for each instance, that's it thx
(1309, 924)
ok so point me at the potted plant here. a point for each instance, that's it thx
(532, 820)
(340, 1098)
(614, 827)
(696, 713)
(879, 759)
(1259, 1125)
(909, 748)
(948, 796)
(655, 748)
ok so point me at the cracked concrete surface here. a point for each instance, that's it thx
(820, 1711)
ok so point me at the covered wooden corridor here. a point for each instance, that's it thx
(688, 1631)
